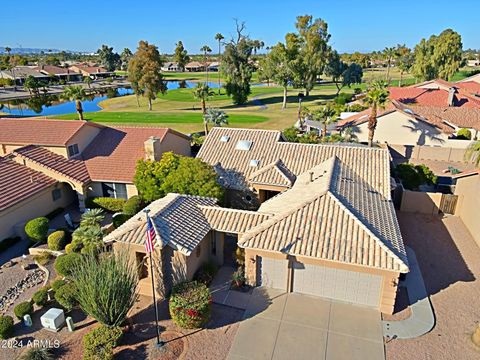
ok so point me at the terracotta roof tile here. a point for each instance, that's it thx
(232, 220)
(18, 182)
(275, 173)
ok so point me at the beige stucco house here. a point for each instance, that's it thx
(322, 220)
(467, 187)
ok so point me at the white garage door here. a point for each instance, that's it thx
(337, 284)
(273, 272)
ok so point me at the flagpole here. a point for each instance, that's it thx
(159, 342)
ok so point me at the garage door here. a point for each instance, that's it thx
(337, 284)
(273, 272)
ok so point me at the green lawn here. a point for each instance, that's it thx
(159, 118)
(186, 95)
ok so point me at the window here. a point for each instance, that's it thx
(114, 190)
(244, 145)
(56, 194)
(214, 244)
(73, 150)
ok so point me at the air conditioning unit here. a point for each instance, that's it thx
(53, 319)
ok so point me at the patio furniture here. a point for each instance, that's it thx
(53, 319)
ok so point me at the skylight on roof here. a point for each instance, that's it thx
(225, 138)
(408, 111)
(243, 145)
(254, 163)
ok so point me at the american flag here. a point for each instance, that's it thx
(150, 235)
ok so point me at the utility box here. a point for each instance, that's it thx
(53, 319)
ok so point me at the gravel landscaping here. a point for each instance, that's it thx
(449, 260)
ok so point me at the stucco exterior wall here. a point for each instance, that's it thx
(398, 128)
(468, 205)
(390, 278)
(199, 256)
(178, 144)
(444, 153)
(84, 137)
(421, 202)
(8, 148)
(12, 219)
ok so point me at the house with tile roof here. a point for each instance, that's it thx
(325, 224)
(92, 159)
(64, 73)
(95, 72)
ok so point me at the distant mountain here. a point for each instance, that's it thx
(36, 51)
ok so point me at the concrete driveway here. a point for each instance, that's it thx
(295, 326)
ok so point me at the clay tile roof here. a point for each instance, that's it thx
(55, 70)
(434, 96)
(178, 220)
(470, 86)
(461, 117)
(362, 116)
(275, 173)
(39, 131)
(232, 220)
(18, 182)
(72, 169)
(113, 154)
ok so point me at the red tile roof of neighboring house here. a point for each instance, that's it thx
(470, 86)
(55, 70)
(39, 131)
(460, 117)
(18, 182)
(432, 97)
(91, 69)
(113, 154)
(72, 169)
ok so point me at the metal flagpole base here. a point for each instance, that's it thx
(159, 344)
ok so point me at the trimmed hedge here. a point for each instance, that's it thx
(190, 304)
(464, 134)
(99, 343)
(66, 296)
(108, 204)
(40, 298)
(37, 229)
(43, 258)
(64, 263)
(6, 327)
(133, 205)
(23, 309)
(56, 240)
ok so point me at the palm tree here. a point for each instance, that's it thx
(219, 37)
(473, 153)
(376, 98)
(326, 115)
(206, 49)
(88, 80)
(215, 116)
(75, 93)
(202, 91)
(389, 53)
(92, 217)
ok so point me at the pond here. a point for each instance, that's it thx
(51, 105)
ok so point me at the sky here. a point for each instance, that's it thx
(354, 25)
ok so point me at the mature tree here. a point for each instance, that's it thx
(144, 72)
(202, 92)
(32, 85)
(219, 37)
(343, 74)
(257, 45)
(266, 69)
(110, 60)
(215, 116)
(314, 49)
(236, 66)
(404, 60)
(376, 98)
(88, 80)
(282, 61)
(473, 153)
(206, 50)
(389, 54)
(439, 56)
(125, 57)
(352, 75)
(75, 93)
(176, 173)
(362, 59)
(181, 56)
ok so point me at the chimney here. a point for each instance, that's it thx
(153, 150)
(451, 96)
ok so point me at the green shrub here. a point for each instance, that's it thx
(343, 98)
(190, 304)
(464, 134)
(6, 243)
(57, 284)
(356, 107)
(65, 263)
(56, 240)
(6, 327)
(38, 353)
(132, 205)
(412, 176)
(206, 273)
(43, 258)
(66, 296)
(40, 298)
(120, 219)
(23, 309)
(98, 344)
(108, 204)
(37, 229)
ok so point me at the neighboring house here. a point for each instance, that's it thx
(474, 78)
(95, 72)
(213, 66)
(467, 187)
(330, 231)
(171, 67)
(20, 74)
(94, 160)
(63, 73)
(26, 194)
(473, 63)
(195, 66)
